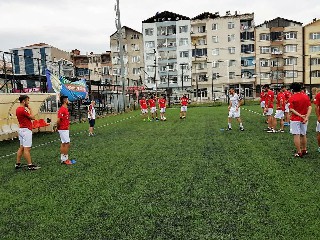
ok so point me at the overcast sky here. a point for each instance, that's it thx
(88, 24)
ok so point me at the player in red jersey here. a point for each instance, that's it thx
(25, 115)
(184, 106)
(317, 110)
(262, 100)
(287, 93)
(280, 111)
(268, 110)
(162, 105)
(153, 108)
(300, 107)
(144, 108)
(63, 124)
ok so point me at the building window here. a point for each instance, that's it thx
(150, 56)
(290, 48)
(232, 63)
(290, 61)
(186, 78)
(247, 36)
(184, 54)
(264, 63)
(264, 75)
(215, 64)
(135, 36)
(136, 71)
(203, 78)
(199, 52)
(264, 37)
(149, 32)
(149, 44)
(315, 35)
(291, 74)
(135, 47)
(106, 70)
(232, 75)
(215, 39)
(230, 25)
(265, 50)
(201, 66)
(247, 48)
(315, 61)
(150, 68)
(215, 26)
(183, 29)
(202, 29)
(136, 59)
(314, 48)
(232, 50)
(244, 63)
(275, 50)
(215, 51)
(183, 42)
(231, 37)
(202, 41)
(315, 73)
(290, 35)
(215, 76)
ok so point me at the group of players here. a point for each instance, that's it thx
(151, 103)
(293, 108)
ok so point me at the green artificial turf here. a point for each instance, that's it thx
(179, 179)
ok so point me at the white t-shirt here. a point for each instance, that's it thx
(235, 99)
(92, 111)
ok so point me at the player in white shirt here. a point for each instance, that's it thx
(91, 117)
(234, 108)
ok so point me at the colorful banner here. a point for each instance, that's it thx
(26, 90)
(73, 90)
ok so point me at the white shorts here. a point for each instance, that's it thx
(279, 114)
(287, 108)
(318, 127)
(143, 111)
(298, 128)
(153, 109)
(162, 110)
(269, 112)
(184, 108)
(25, 137)
(233, 113)
(263, 104)
(64, 136)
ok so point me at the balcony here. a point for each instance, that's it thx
(276, 53)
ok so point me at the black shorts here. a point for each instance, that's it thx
(92, 122)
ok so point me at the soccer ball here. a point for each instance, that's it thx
(164, 118)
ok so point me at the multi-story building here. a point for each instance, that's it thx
(167, 52)
(35, 58)
(312, 53)
(132, 45)
(279, 52)
(94, 67)
(223, 54)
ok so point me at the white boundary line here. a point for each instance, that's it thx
(74, 134)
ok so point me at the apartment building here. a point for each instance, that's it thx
(35, 58)
(94, 67)
(279, 52)
(312, 53)
(167, 54)
(223, 54)
(133, 48)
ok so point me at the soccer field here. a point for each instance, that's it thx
(179, 179)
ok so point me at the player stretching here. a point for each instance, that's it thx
(280, 111)
(287, 94)
(234, 108)
(268, 110)
(184, 106)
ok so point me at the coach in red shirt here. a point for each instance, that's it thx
(24, 115)
(300, 107)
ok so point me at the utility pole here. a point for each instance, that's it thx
(5, 71)
(182, 68)
(118, 25)
(195, 69)
(155, 70)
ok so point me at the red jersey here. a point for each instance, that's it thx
(64, 116)
(287, 95)
(281, 99)
(184, 101)
(262, 96)
(23, 117)
(143, 104)
(162, 102)
(299, 102)
(152, 102)
(269, 99)
(317, 99)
